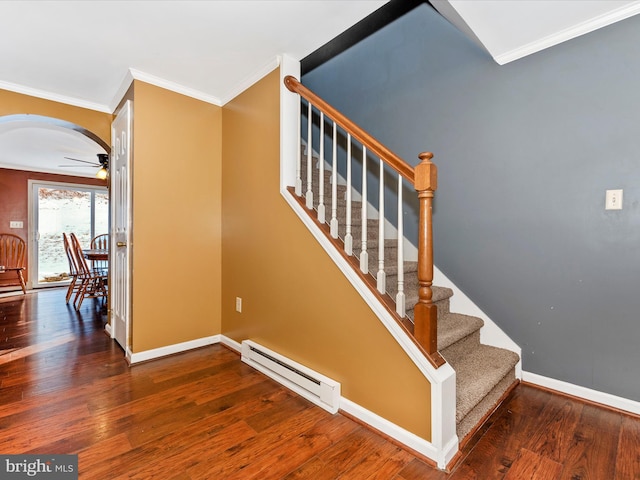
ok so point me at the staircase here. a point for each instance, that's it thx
(484, 374)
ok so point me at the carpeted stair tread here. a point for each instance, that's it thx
(411, 293)
(391, 268)
(478, 373)
(454, 327)
(356, 231)
(372, 243)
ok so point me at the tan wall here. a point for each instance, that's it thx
(99, 123)
(295, 300)
(176, 218)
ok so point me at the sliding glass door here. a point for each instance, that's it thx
(58, 208)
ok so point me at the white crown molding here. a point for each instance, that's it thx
(172, 86)
(134, 74)
(251, 79)
(569, 33)
(122, 90)
(34, 92)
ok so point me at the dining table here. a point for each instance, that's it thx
(96, 254)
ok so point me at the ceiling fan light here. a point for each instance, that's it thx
(102, 173)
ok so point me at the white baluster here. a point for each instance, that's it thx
(381, 276)
(401, 308)
(334, 184)
(321, 209)
(298, 186)
(309, 194)
(364, 256)
(348, 238)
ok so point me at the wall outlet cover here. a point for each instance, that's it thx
(613, 200)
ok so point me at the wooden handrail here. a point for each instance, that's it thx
(373, 145)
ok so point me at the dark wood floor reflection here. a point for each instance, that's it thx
(65, 388)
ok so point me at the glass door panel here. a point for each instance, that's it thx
(101, 215)
(57, 209)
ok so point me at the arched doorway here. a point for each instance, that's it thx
(40, 143)
(58, 160)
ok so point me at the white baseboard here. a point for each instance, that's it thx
(232, 344)
(603, 398)
(171, 349)
(4, 293)
(396, 432)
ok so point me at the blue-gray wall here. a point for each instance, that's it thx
(525, 152)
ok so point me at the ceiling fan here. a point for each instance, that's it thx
(103, 163)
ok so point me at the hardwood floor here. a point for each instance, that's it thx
(65, 388)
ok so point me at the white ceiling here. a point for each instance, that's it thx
(38, 146)
(83, 50)
(512, 29)
(86, 53)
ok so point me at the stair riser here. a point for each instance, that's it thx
(411, 294)
(486, 406)
(327, 188)
(356, 210)
(461, 347)
(411, 300)
(356, 230)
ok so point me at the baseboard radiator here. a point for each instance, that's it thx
(311, 385)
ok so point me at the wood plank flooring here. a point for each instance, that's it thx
(65, 388)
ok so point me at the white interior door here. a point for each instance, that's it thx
(120, 280)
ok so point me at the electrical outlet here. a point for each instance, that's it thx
(613, 200)
(15, 224)
(238, 304)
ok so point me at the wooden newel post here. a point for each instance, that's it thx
(425, 312)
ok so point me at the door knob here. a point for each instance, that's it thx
(121, 244)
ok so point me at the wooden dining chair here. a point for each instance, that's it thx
(75, 284)
(12, 257)
(100, 242)
(93, 284)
